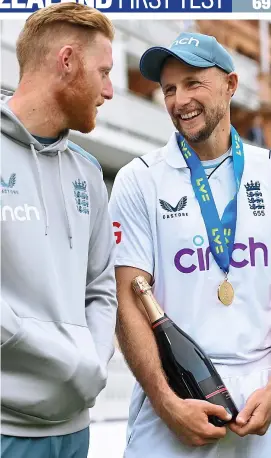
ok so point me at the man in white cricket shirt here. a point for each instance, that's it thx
(194, 218)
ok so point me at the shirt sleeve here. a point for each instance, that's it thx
(131, 223)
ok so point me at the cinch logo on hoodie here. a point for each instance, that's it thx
(20, 213)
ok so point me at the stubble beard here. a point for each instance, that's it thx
(91, 125)
(83, 115)
(76, 102)
(211, 122)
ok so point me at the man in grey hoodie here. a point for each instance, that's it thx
(58, 300)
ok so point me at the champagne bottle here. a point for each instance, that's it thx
(190, 373)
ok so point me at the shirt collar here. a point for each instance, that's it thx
(173, 155)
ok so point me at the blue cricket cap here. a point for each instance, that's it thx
(194, 49)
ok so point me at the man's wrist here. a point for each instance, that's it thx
(164, 401)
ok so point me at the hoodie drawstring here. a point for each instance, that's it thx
(64, 199)
(41, 188)
(34, 152)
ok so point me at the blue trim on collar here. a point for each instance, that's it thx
(77, 149)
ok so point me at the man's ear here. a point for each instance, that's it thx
(232, 83)
(65, 60)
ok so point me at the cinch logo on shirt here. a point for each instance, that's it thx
(188, 260)
(20, 213)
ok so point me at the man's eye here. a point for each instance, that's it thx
(105, 73)
(169, 90)
(193, 83)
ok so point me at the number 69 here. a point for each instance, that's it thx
(264, 4)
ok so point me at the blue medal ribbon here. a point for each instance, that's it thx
(221, 233)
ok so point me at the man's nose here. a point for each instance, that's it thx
(108, 90)
(182, 98)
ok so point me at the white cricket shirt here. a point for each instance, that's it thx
(159, 228)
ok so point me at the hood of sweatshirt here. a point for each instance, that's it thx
(13, 128)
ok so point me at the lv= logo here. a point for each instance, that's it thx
(218, 244)
(204, 193)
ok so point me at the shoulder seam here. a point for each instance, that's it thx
(144, 162)
(78, 149)
(152, 163)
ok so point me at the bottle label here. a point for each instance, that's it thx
(223, 389)
(215, 393)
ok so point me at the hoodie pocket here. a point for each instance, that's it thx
(50, 370)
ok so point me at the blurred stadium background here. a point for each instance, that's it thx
(135, 122)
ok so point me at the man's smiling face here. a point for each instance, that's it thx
(196, 99)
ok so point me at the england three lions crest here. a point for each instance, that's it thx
(81, 196)
(255, 198)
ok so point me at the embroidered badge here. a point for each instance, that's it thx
(7, 186)
(176, 211)
(81, 196)
(255, 198)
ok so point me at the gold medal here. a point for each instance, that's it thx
(225, 292)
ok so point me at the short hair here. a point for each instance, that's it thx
(48, 23)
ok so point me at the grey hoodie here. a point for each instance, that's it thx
(58, 299)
